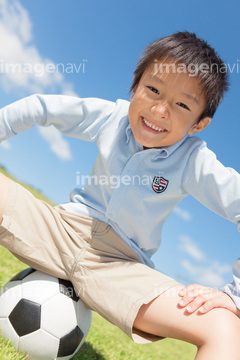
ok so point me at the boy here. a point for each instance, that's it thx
(104, 238)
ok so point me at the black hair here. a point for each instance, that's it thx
(186, 49)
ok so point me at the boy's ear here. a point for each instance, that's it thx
(202, 124)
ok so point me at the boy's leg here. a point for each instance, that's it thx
(216, 333)
(4, 187)
(35, 232)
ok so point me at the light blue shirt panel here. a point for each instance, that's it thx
(135, 211)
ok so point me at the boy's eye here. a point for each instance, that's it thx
(183, 105)
(153, 89)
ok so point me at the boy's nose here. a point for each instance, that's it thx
(160, 109)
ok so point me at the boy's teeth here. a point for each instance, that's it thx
(152, 126)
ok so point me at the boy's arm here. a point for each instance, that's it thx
(218, 188)
(81, 118)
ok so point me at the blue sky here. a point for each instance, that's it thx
(89, 48)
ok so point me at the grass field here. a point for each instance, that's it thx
(104, 341)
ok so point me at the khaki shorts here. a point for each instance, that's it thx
(105, 272)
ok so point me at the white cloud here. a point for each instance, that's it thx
(209, 272)
(22, 67)
(183, 214)
(191, 248)
(11, 13)
(57, 143)
(209, 275)
(5, 145)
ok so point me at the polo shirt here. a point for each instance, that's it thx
(132, 189)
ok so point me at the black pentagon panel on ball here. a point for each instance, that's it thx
(26, 317)
(66, 288)
(69, 343)
(23, 274)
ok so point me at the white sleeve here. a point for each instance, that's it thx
(218, 188)
(73, 116)
(215, 186)
(233, 289)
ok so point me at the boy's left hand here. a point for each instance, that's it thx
(197, 297)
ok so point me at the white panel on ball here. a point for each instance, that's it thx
(9, 332)
(34, 343)
(10, 295)
(39, 289)
(43, 316)
(58, 320)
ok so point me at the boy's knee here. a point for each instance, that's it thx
(224, 329)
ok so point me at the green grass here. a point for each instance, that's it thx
(104, 341)
(35, 192)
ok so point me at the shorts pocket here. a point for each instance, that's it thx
(100, 228)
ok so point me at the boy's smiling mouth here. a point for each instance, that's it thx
(151, 126)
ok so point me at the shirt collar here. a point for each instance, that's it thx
(128, 133)
(168, 150)
(162, 152)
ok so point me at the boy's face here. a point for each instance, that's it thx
(164, 107)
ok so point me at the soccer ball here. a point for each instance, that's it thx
(43, 316)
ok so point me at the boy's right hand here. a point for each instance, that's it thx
(197, 297)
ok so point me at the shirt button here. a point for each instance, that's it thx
(110, 215)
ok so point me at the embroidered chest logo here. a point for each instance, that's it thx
(159, 184)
